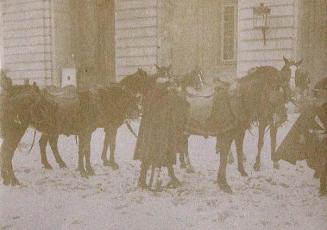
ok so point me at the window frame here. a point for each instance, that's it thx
(232, 60)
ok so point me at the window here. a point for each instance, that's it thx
(228, 33)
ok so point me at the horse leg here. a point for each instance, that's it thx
(81, 156)
(105, 149)
(230, 157)
(43, 151)
(174, 182)
(53, 140)
(323, 181)
(262, 128)
(87, 149)
(273, 140)
(182, 160)
(182, 151)
(189, 167)
(239, 149)
(142, 179)
(8, 148)
(230, 154)
(224, 146)
(112, 143)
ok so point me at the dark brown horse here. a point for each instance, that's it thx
(272, 117)
(114, 105)
(258, 97)
(26, 105)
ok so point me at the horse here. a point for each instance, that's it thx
(273, 117)
(115, 105)
(27, 105)
(255, 98)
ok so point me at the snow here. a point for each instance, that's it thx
(60, 199)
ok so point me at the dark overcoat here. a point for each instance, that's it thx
(162, 126)
(305, 141)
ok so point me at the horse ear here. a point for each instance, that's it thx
(35, 86)
(5, 82)
(287, 62)
(298, 63)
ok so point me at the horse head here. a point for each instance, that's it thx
(288, 72)
(163, 71)
(137, 83)
(194, 79)
(5, 81)
(20, 103)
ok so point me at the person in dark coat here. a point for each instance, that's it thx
(161, 129)
(307, 140)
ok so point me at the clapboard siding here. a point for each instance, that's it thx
(27, 39)
(281, 38)
(136, 37)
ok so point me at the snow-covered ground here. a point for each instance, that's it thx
(60, 199)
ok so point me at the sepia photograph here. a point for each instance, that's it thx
(163, 114)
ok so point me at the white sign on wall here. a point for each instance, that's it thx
(68, 77)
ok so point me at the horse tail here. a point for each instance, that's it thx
(130, 128)
(34, 135)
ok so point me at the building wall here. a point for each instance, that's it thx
(136, 35)
(27, 40)
(61, 38)
(281, 35)
(190, 36)
(312, 38)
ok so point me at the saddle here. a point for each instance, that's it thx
(61, 94)
(201, 103)
(67, 103)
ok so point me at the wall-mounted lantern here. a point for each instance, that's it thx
(261, 16)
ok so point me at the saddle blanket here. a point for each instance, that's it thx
(201, 103)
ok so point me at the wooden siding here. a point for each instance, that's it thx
(136, 37)
(281, 35)
(27, 40)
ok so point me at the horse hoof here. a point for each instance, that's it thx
(276, 165)
(224, 187)
(113, 165)
(62, 165)
(173, 183)
(14, 181)
(256, 167)
(83, 174)
(190, 170)
(243, 173)
(6, 182)
(47, 166)
(182, 166)
(90, 172)
(142, 184)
